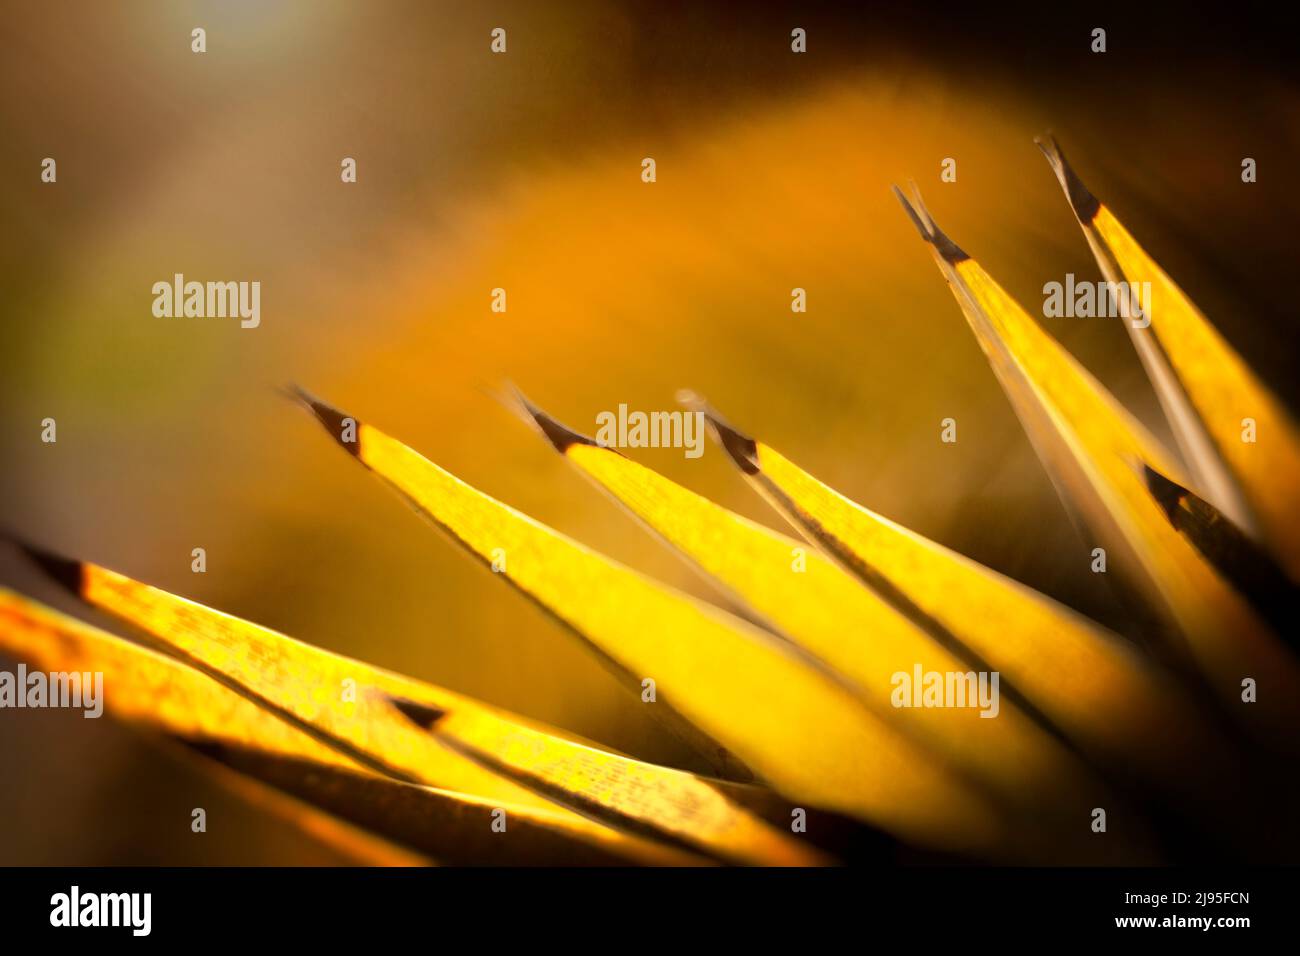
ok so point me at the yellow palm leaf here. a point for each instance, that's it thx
(474, 749)
(1078, 676)
(1206, 388)
(1096, 453)
(165, 696)
(794, 724)
(807, 598)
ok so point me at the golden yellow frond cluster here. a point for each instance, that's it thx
(794, 698)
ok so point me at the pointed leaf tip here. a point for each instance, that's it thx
(62, 571)
(1083, 202)
(422, 715)
(559, 435)
(742, 449)
(332, 418)
(930, 232)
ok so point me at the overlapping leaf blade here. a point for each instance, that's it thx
(467, 747)
(859, 634)
(164, 696)
(1097, 454)
(1208, 391)
(797, 726)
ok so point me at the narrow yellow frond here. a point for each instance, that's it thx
(795, 725)
(1096, 454)
(1080, 677)
(163, 695)
(642, 796)
(809, 599)
(146, 688)
(472, 748)
(342, 701)
(457, 829)
(1213, 399)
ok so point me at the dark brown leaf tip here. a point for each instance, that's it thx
(422, 715)
(931, 233)
(335, 421)
(742, 449)
(1084, 203)
(561, 436)
(1168, 494)
(62, 571)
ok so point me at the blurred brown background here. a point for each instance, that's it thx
(523, 171)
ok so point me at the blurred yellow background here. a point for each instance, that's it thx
(522, 171)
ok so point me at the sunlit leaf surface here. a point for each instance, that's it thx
(798, 727)
(1081, 678)
(165, 696)
(143, 686)
(1096, 453)
(472, 748)
(806, 597)
(799, 694)
(1207, 389)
